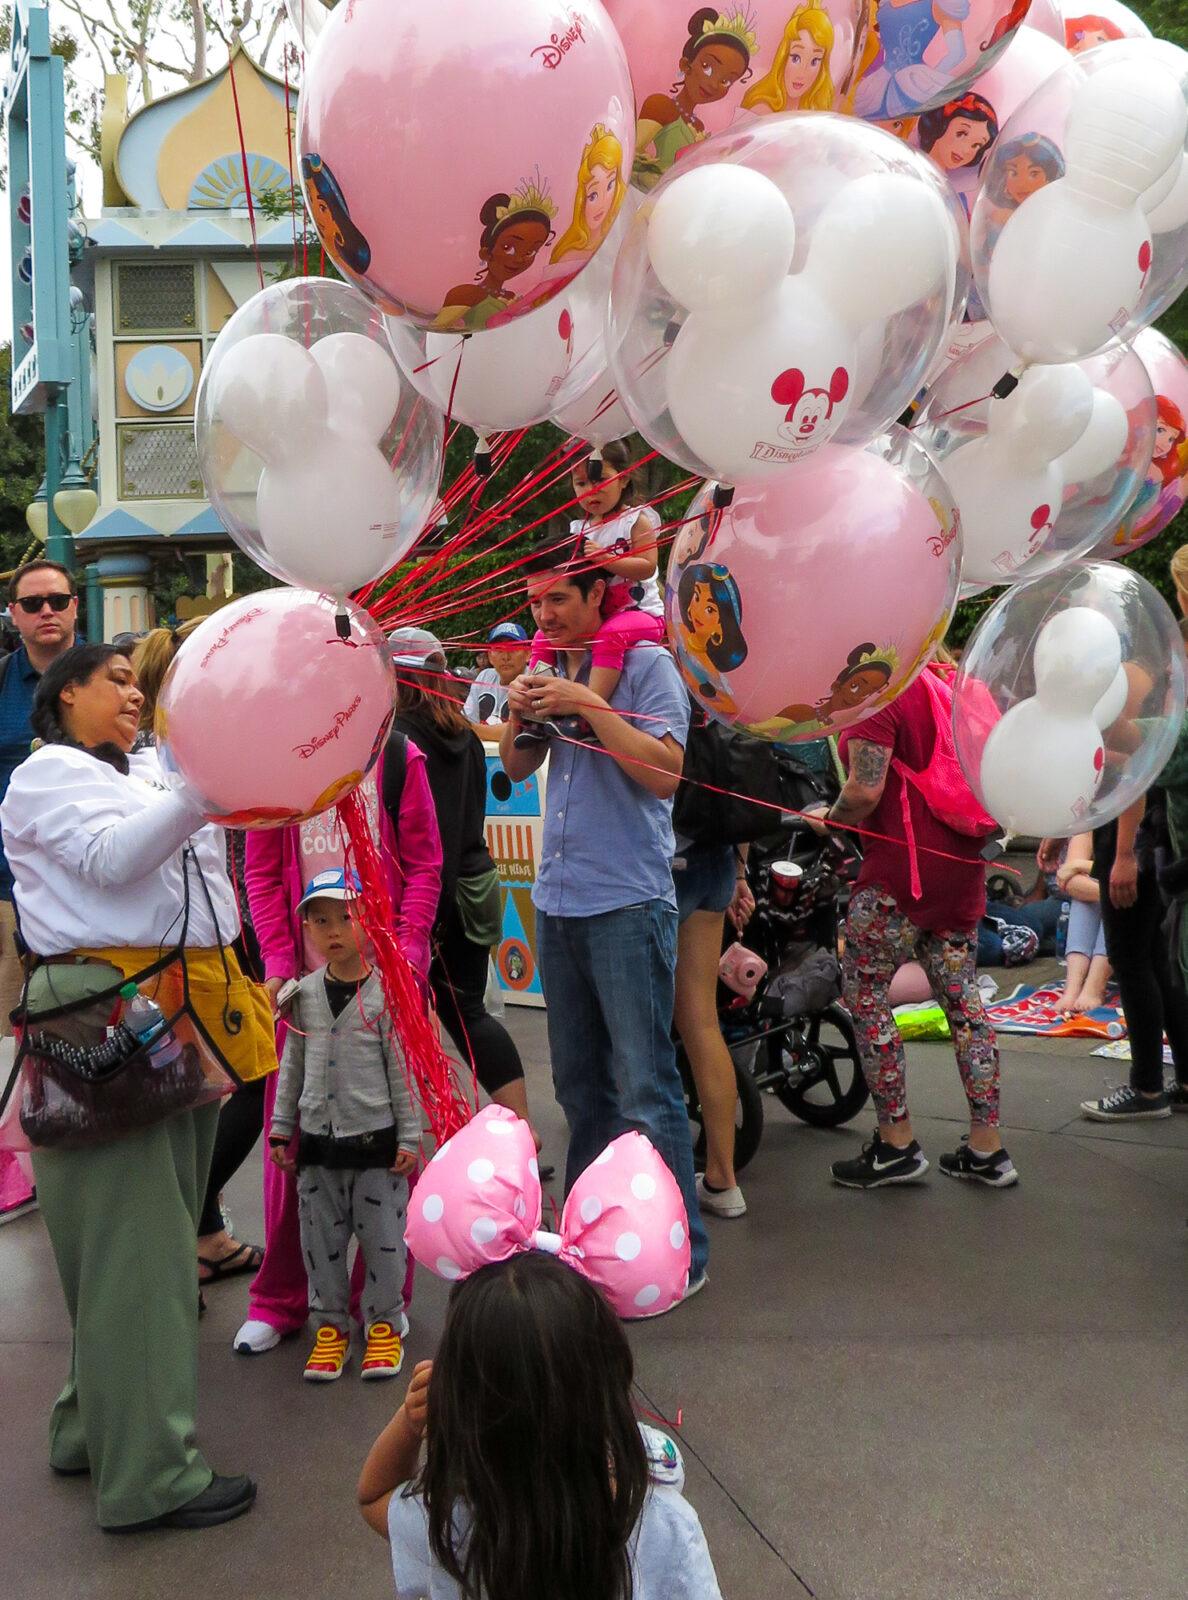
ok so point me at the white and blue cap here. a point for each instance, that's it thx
(333, 884)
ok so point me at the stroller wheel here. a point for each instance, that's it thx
(829, 1087)
(748, 1114)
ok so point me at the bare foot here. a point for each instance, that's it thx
(1090, 1002)
(1068, 1004)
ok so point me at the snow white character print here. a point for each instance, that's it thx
(957, 136)
(516, 228)
(709, 640)
(900, 82)
(716, 56)
(344, 243)
(867, 672)
(799, 77)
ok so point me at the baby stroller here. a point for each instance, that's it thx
(792, 1037)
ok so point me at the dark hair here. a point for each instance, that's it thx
(932, 124)
(75, 666)
(560, 559)
(531, 1431)
(616, 458)
(350, 245)
(493, 223)
(699, 36)
(423, 695)
(731, 651)
(40, 565)
(1037, 149)
(855, 664)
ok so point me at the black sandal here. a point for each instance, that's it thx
(248, 1258)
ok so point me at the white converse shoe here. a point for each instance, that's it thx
(254, 1338)
(720, 1202)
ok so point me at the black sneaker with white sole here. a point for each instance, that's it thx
(1125, 1104)
(880, 1164)
(997, 1171)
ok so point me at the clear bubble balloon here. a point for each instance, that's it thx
(827, 336)
(779, 564)
(308, 19)
(321, 460)
(1163, 485)
(1094, 244)
(310, 709)
(1069, 699)
(916, 59)
(1031, 496)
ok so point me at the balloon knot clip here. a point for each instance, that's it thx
(723, 496)
(594, 466)
(342, 623)
(1006, 385)
(483, 464)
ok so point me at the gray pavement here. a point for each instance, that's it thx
(934, 1393)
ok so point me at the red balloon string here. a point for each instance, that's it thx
(433, 1078)
(247, 182)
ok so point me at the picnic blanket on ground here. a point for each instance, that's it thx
(1031, 1010)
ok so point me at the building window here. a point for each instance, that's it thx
(158, 463)
(156, 297)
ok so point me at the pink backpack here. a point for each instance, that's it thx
(942, 785)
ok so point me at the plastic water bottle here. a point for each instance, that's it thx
(146, 1020)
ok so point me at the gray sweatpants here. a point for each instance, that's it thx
(333, 1205)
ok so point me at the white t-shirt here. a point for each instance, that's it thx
(670, 1559)
(614, 536)
(96, 856)
(487, 700)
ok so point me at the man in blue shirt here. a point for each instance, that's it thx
(43, 605)
(606, 923)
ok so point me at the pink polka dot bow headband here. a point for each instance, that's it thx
(623, 1228)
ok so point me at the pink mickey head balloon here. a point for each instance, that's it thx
(503, 171)
(271, 716)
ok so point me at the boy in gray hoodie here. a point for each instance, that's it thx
(342, 1076)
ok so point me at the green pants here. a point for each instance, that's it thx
(122, 1219)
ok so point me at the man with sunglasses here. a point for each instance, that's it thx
(43, 606)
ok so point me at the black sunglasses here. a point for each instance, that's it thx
(31, 604)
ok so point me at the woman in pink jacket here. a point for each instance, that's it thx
(280, 862)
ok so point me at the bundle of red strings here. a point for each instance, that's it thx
(433, 1078)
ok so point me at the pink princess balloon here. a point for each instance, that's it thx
(922, 53)
(461, 161)
(271, 716)
(697, 70)
(1165, 486)
(818, 595)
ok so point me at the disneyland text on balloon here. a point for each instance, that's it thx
(224, 637)
(341, 718)
(559, 45)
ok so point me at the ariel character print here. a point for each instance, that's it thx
(597, 199)
(716, 56)
(1084, 33)
(899, 82)
(344, 243)
(516, 228)
(957, 136)
(1163, 490)
(709, 640)
(867, 672)
(799, 77)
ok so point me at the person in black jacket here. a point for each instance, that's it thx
(470, 911)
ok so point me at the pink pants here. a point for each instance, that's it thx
(280, 1290)
(609, 646)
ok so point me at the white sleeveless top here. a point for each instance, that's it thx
(614, 536)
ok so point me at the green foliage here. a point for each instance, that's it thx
(22, 463)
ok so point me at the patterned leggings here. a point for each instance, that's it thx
(879, 938)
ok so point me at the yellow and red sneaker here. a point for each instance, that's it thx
(328, 1356)
(384, 1355)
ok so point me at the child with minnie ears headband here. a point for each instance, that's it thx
(537, 1478)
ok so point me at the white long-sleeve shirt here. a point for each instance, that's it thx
(97, 861)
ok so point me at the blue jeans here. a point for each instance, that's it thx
(608, 981)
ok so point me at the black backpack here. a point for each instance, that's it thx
(762, 782)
